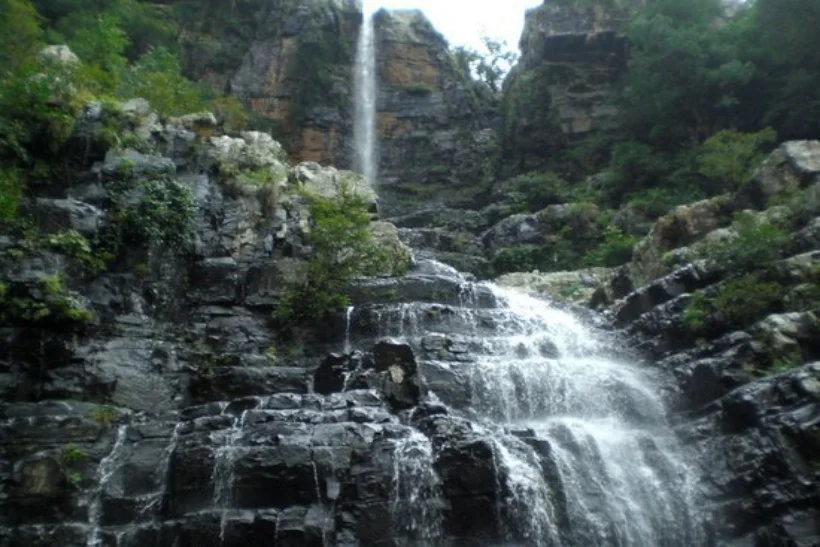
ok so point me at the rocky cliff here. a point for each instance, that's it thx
(565, 83)
(727, 300)
(436, 137)
(294, 68)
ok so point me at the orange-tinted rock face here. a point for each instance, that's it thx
(297, 72)
(317, 144)
(391, 127)
(405, 65)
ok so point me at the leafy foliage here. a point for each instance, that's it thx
(20, 32)
(728, 157)
(757, 242)
(157, 77)
(343, 249)
(557, 255)
(489, 65)
(163, 216)
(684, 74)
(534, 191)
(736, 303)
(10, 192)
(616, 249)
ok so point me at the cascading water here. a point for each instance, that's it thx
(416, 496)
(582, 449)
(107, 467)
(365, 91)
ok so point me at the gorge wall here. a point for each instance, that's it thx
(434, 123)
(564, 86)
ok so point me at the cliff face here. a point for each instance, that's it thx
(564, 85)
(296, 72)
(433, 122)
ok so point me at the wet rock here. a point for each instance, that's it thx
(663, 290)
(684, 225)
(331, 375)
(226, 383)
(398, 369)
(60, 215)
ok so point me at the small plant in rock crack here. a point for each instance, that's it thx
(105, 415)
(70, 456)
(70, 453)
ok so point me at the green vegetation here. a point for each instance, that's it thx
(76, 246)
(105, 415)
(737, 303)
(343, 249)
(616, 249)
(556, 255)
(70, 454)
(45, 301)
(757, 242)
(705, 97)
(533, 191)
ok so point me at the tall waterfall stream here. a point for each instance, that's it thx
(606, 449)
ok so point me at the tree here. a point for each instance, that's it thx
(489, 66)
(19, 33)
(728, 157)
(685, 74)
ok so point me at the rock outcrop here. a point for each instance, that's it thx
(564, 84)
(435, 131)
(745, 392)
(294, 67)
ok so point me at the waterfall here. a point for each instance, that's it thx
(619, 466)
(364, 130)
(583, 452)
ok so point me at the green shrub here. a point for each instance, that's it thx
(634, 166)
(157, 77)
(10, 193)
(656, 202)
(231, 113)
(164, 215)
(616, 249)
(105, 415)
(19, 33)
(343, 249)
(99, 42)
(558, 254)
(76, 246)
(736, 303)
(758, 242)
(47, 301)
(38, 110)
(534, 191)
(728, 158)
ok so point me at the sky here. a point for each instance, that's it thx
(463, 22)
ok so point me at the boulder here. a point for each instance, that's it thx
(60, 215)
(329, 181)
(399, 256)
(130, 163)
(398, 370)
(60, 54)
(576, 287)
(251, 151)
(683, 226)
(792, 166)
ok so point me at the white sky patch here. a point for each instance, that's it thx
(464, 22)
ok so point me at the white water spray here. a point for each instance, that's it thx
(364, 129)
